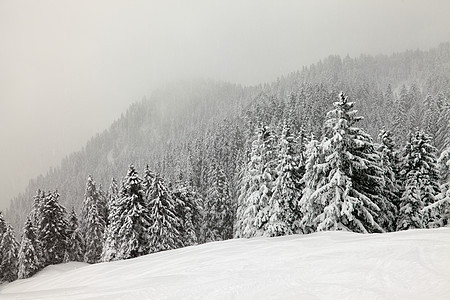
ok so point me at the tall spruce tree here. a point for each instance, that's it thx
(421, 182)
(75, 243)
(110, 237)
(92, 222)
(8, 255)
(28, 263)
(52, 229)
(352, 187)
(164, 219)
(133, 218)
(284, 204)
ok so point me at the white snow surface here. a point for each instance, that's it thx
(411, 264)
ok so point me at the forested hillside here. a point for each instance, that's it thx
(192, 131)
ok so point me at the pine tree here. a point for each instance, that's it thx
(133, 217)
(286, 192)
(352, 187)
(52, 230)
(109, 249)
(391, 189)
(439, 211)
(92, 223)
(421, 182)
(2, 225)
(75, 244)
(256, 187)
(400, 119)
(164, 220)
(314, 177)
(219, 211)
(188, 208)
(8, 255)
(28, 263)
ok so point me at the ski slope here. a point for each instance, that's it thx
(411, 264)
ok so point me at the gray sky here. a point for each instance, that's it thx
(69, 68)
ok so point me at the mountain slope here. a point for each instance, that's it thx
(411, 264)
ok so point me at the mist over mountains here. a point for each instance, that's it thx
(184, 127)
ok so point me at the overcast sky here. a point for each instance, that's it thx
(69, 68)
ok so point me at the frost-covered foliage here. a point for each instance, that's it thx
(164, 234)
(8, 255)
(110, 237)
(92, 222)
(350, 191)
(132, 218)
(189, 208)
(256, 187)
(75, 243)
(219, 208)
(28, 263)
(421, 182)
(284, 206)
(52, 229)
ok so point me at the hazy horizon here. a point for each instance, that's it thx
(69, 69)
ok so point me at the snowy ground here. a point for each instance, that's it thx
(331, 265)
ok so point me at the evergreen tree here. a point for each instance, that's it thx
(400, 119)
(2, 225)
(189, 207)
(314, 177)
(92, 223)
(256, 187)
(286, 192)
(164, 220)
(8, 255)
(52, 230)
(28, 263)
(352, 187)
(75, 244)
(219, 211)
(133, 217)
(421, 182)
(110, 237)
(387, 153)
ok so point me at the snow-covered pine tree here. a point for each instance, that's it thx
(353, 183)
(256, 187)
(53, 229)
(109, 248)
(400, 118)
(219, 211)
(28, 263)
(35, 215)
(188, 208)
(440, 210)
(2, 225)
(75, 243)
(164, 220)
(133, 217)
(421, 182)
(284, 204)
(92, 223)
(314, 177)
(387, 152)
(8, 255)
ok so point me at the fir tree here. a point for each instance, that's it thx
(387, 153)
(219, 211)
(8, 255)
(52, 230)
(421, 182)
(92, 223)
(352, 187)
(133, 236)
(286, 192)
(164, 220)
(256, 187)
(110, 237)
(28, 263)
(75, 244)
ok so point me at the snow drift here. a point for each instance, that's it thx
(411, 264)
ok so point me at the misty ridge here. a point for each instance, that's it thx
(185, 126)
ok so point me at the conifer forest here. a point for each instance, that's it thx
(359, 144)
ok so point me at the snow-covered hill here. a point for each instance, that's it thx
(411, 264)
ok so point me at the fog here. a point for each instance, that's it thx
(69, 68)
